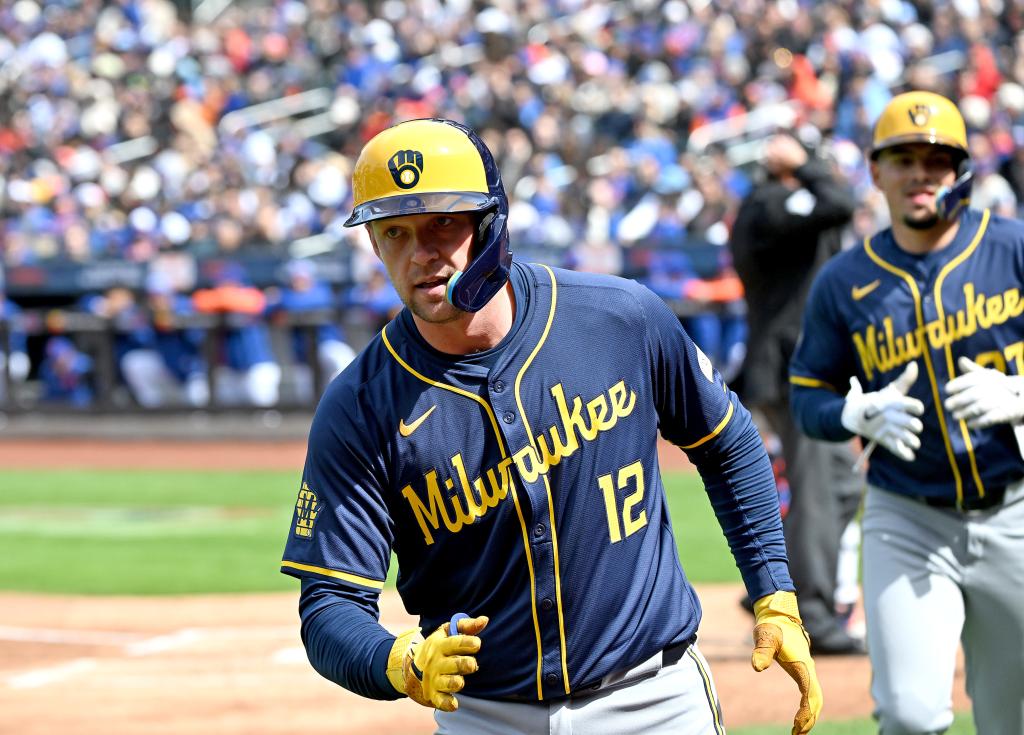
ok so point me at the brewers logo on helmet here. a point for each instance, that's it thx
(431, 166)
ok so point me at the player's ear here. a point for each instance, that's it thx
(873, 166)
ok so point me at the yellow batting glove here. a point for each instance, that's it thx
(430, 670)
(780, 636)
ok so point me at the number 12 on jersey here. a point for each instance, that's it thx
(627, 477)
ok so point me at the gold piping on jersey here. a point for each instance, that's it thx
(946, 270)
(547, 488)
(715, 432)
(515, 496)
(347, 576)
(709, 691)
(926, 354)
(811, 383)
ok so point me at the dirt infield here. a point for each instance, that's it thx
(234, 664)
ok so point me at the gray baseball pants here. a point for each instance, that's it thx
(648, 699)
(935, 578)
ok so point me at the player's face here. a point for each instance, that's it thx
(421, 252)
(910, 176)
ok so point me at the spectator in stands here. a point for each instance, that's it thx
(304, 293)
(246, 372)
(65, 374)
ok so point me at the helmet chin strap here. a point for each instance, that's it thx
(951, 200)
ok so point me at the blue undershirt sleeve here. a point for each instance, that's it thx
(344, 642)
(818, 413)
(738, 478)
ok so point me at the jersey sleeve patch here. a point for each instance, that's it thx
(307, 508)
(705, 364)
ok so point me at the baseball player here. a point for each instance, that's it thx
(301, 293)
(248, 373)
(500, 436)
(164, 363)
(923, 323)
(13, 350)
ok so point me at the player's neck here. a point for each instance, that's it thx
(920, 242)
(472, 332)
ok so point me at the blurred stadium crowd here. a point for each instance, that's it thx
(193, 147)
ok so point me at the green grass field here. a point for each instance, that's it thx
(137, 533)
(133, 532)
(962, 725)
(125, 532)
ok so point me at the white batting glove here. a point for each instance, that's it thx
(984, 397)
(887, 416)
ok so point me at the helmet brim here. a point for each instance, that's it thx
(428, 203)
(931, 139)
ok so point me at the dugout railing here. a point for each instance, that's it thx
(97, 337)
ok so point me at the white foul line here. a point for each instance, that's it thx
(41, 677)
(131, 647)
(66, 637)
(163, 642)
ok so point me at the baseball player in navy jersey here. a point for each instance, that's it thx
(500, 436)
(923, 323)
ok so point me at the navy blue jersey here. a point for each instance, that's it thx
(876, 307)
(523, 483)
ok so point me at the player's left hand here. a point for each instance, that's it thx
(430, 670)
(984, 397)
(779, 635)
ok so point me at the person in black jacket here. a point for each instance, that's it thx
(786, 228)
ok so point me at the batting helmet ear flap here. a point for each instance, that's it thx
(472, 288)
(951, 200)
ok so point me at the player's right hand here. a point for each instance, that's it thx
(430, 670)
(888, 416)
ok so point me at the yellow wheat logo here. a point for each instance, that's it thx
(307, 507)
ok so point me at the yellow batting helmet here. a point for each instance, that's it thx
(418, 166)
(919, 117)
(435, 165)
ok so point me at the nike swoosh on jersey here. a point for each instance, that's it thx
(407, 429)
(860, 292)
